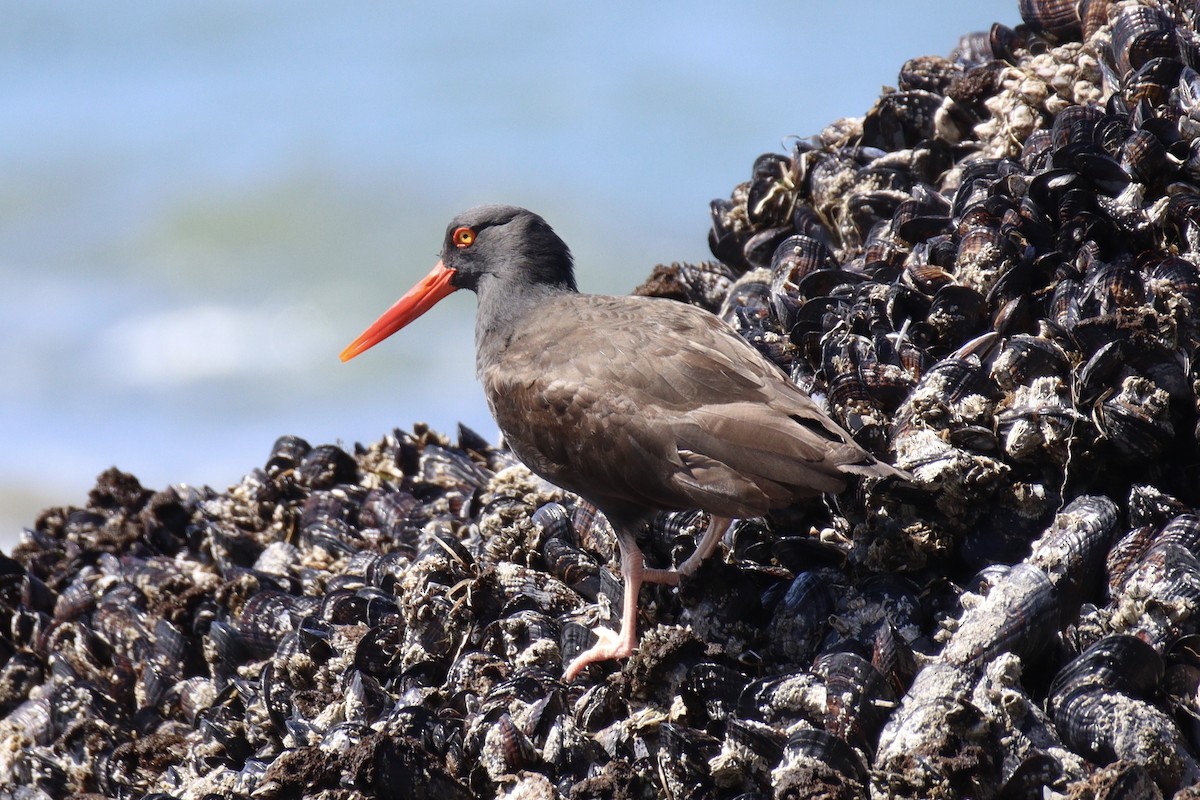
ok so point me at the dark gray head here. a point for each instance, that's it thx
(507, 243)
(508, 256)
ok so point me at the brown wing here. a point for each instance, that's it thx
(640, 403)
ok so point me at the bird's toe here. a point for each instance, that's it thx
(609, 645)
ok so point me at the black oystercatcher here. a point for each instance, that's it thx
(636, 404)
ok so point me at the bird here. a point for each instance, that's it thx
(636, 404)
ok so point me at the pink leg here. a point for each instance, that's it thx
(708, 543)
(611, 645)
(712, 537)
(634, 572)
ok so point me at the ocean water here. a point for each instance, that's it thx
(203, 203)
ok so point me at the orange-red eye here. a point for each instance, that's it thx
(463, 237)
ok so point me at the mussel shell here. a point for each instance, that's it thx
(1145, 158)
(1117, 663)
(1058, 18)
(956, 314)
(378, 651)
(1083, 717)
(286, 454)
(857, 698)
(1139, 33)
(389, 511)
(920, 219)
(1019, 615)
(760, 247)
(326, 466)
(748, 298)
(771, 194)
(796, 257)
(801, 617)
(930, 73)
(900, 119)
(1036, 770)
(826, 282)
(683, 756)
(1178, 274)
(713, 690)
(1023, 358)
(1072, 549)
(1133, 427)
(724, 240)
(827, 748)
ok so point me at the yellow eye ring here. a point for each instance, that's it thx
(463, 237)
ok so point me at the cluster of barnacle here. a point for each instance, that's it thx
(990, 279)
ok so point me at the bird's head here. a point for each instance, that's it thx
(486, 246)
(505, 243)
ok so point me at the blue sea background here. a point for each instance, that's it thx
(202, 203)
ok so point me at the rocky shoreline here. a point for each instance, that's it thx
(990, 279)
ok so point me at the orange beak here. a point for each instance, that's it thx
(415, 302)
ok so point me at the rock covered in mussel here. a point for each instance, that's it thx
(991, 275)
(403, 621)
(990, 279)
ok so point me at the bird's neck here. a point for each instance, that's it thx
(504, 309)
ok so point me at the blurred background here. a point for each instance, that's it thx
(203, 203)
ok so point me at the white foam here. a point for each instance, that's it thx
(172, 348)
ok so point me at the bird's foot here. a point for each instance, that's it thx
(609, 645)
